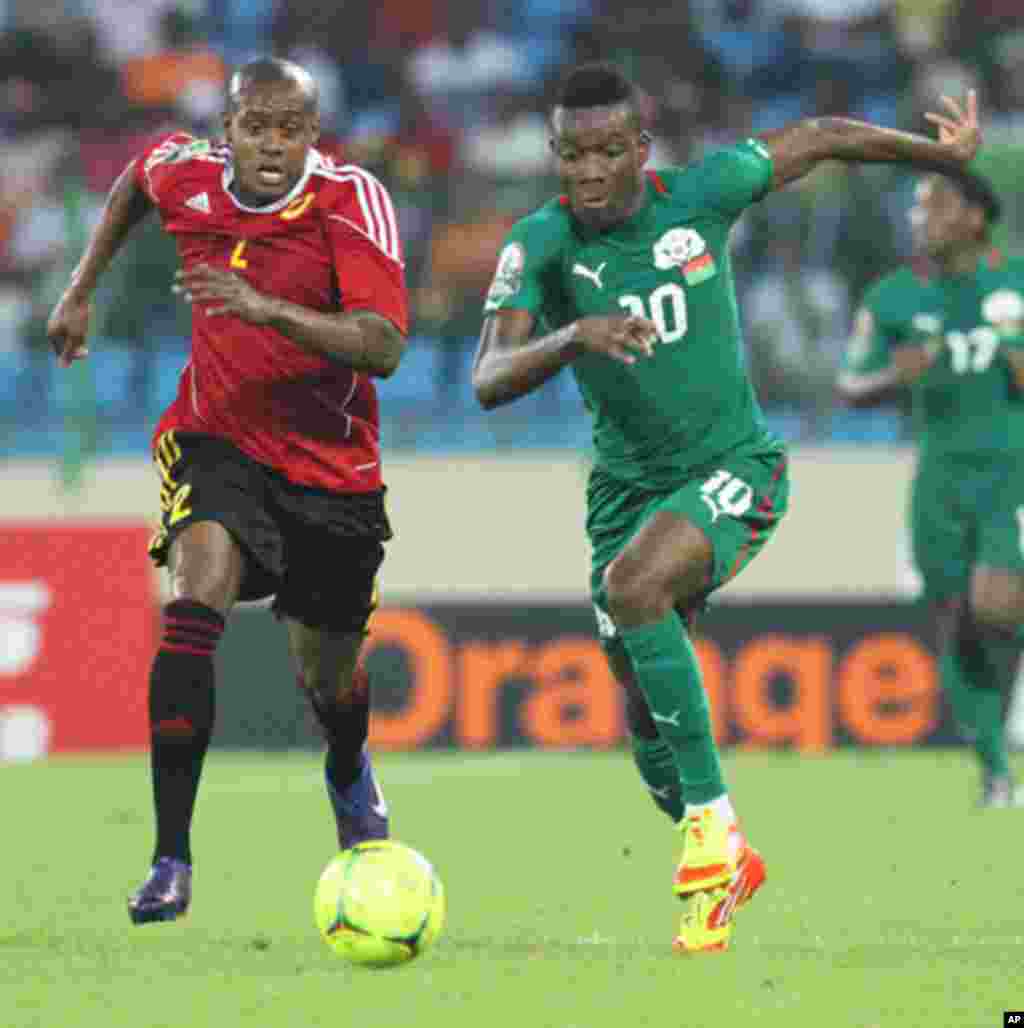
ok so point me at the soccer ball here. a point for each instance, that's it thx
(379, 903)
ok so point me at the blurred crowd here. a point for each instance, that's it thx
(445, 100)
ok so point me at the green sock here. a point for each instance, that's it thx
(657, 766)
(977, 703)
(668, 674)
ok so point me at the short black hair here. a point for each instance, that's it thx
(596, 84)
(271, 71)
(975, 189)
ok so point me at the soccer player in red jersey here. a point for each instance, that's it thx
(269, 456)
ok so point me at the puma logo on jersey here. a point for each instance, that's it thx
(605, 625)
(200, 202)
(667, 719)
(594, 276)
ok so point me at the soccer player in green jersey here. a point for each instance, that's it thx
(626, 279)
(955, 337)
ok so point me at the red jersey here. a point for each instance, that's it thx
(331, 244)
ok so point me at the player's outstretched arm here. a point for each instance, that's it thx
(508, 364)
(68, 326)
(872, 388)
(797, 148)
(363, 340)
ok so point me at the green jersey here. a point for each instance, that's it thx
(1001, 164)
(966, 402)
(691, 404)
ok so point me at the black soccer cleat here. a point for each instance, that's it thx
(359, 810)
(165, 894)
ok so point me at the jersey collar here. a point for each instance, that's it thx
(228, 176)
(989, 261)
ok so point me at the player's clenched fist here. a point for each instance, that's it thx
(622, 337)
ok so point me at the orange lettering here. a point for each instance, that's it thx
(297, 207)
(888, 691)
(576, 701)
(806, 721)
(431, 685)
(237, 260)
(483, 669)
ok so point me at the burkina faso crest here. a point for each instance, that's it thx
(685, 249)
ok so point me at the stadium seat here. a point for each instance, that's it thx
(414, 385)
(457, 395)
(773, 112)
(12, 364)
(787, 423)
(27, 385)
(113, 368)
(867, 426)
(168, 357)
(570, 400)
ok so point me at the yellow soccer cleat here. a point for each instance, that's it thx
(709, 855)
(706, 925)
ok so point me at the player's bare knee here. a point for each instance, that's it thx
(307, 664)
(317, 683)
(206, 566)
(636, 595)
(996, 612)
(331, 686)
(326, 661)
(206, 578)
(997, 601)
(308, 653)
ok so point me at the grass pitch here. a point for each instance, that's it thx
(889, 901)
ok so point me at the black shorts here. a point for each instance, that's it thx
(317, 552)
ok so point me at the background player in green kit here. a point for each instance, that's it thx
(627, 280)
(955, 336)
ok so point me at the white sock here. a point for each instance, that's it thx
(722, 806)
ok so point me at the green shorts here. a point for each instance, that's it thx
(737, 505)
(965, 511)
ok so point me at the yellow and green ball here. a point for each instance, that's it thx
(379, 904)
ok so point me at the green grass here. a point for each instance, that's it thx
(890, 902)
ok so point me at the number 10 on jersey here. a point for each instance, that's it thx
(666, 307)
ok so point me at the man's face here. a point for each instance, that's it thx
(601, 154)
(270, 134)
(941, 219)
